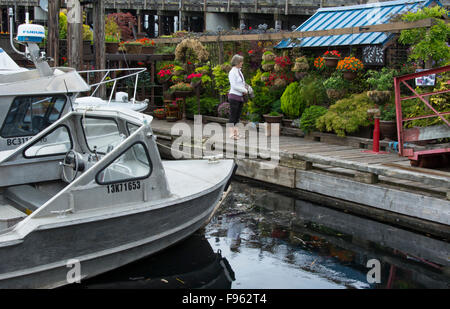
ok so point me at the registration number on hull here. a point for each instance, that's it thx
(123, 187)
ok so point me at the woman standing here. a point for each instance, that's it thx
(238, 89)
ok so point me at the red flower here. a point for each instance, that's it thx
(250, 51)
(141, 63)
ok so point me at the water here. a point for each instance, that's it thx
(273, 241)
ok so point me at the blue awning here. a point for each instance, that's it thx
(353, 16)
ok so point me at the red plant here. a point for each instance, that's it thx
(332, 53)
(125, 21)
(283, 61)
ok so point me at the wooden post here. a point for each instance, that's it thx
(1, 20)
(139, 21)
(152, 82)
(74, 34)
(99, 42)
(53, 31)
(197, 93)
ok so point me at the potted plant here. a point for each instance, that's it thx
(388, 123)
(282, 63)
(181, 90)
(301, 67)
(195, 79)
(112, 44)
(173, 110)
(349, 66)
(331, 58)
(223, 110)
(148, 46)
(112, 35)
(165, 73)
(273, 117)
(159, 113)
(381, 84)
(336, 86)
(132, 47)
(319, 63)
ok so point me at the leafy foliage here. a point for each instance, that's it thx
(335, 81)
(309, 117)
(441, 102)
(428, 43)
(381, 80)
(208, 105)
(222, 84)
(346, 115)
(290, 100)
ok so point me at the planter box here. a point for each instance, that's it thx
(272, 119)
(111, 47)
(148, 49)
(133, 49)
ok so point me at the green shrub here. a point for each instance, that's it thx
(335, 81)
(309, 117)
(381, 80)
(208, 105)
(290, 100)
(222, 84)
(346, 115)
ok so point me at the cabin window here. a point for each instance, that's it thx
(133, 164)
(102, 134)
(131, 128)
(57, 142)
(30, 115)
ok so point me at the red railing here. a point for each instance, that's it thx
(414, 134)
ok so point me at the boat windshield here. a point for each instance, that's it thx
(29, 115)
(133, 164)
(101, 133)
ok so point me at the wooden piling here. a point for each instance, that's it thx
(74, 34)
(99, 42)
(53, 31)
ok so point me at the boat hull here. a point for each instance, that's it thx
(45, 257)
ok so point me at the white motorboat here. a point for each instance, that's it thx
(91, 190)
(86, 187)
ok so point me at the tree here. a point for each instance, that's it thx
(428, 44)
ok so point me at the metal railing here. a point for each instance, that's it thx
(104, 80)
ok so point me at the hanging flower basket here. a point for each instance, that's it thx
(349, 66)
(331, 62)
(331, 58)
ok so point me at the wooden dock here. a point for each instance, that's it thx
(340, 174)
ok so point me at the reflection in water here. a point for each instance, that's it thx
(189, 264)
(274, 241)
